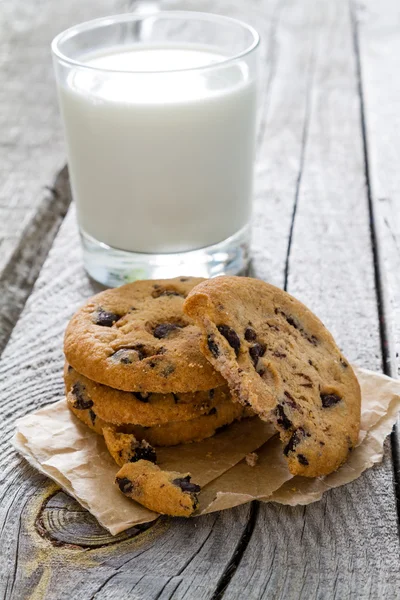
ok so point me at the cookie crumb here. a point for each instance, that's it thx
(252, 459)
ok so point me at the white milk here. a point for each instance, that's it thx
(160, 162)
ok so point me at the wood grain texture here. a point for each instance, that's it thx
(346, 546)
(24, 264)
(325, 550)
(378, 45)
(31, 145)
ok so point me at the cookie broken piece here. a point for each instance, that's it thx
(125, 448)
(165, 492)
(278, 358)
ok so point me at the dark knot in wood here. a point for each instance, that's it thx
(66, 523)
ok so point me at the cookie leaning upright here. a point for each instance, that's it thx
(136, 338)
(278, 357)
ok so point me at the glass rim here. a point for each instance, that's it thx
(173, 14)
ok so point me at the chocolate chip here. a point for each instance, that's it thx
(225, 427)
(160, 291)
(81, 403)
(291, 320)
(184, 279)
(124, 484)
(307, 385)
(185, 485)
(92, 416)
(343, 363)
(212, 346)
(290, 400)
(168, 370)
(294, 440)
(279, 354)
(213, 411)
(127, 356)
(231, 337)
(329, 400)
(282, 419)
(304, 376)
(211, 394)
(164, 329)
(250, 335)
(176, 399)
(144, 452)
(106, 318)
(141, 397)
(296, 325)
(312, 339)
(256, 352)
(302, 459)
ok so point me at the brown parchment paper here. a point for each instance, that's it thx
(60, 446)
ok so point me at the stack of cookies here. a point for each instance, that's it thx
(160, 363)
(135, 374)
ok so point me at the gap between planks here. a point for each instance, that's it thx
(387, 343)
(23, 268)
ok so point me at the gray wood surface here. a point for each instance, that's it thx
(378, 47)
(312, 235)
(324, 550)
(31, 142)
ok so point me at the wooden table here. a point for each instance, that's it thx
(326, 228)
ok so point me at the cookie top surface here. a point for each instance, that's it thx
(136, 338)
(278, 357)
(146, 409)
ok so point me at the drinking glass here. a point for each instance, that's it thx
(159, 113)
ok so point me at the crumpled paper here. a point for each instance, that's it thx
(61, 447)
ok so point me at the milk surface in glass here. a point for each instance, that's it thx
(160, 160)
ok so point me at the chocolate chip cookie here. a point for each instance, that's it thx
(165, 492)
(126, 448)
(136, 338)
(167, 434)
(278, 358)
(146, 409)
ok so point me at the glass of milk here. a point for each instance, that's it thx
(159, 114)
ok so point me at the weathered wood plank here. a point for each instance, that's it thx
(24, 265)
(323, 550)
(375, 30)
(31, 144)
(378, 47)
(29, 118)
(347, 545)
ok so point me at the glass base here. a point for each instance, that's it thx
(113, 267)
